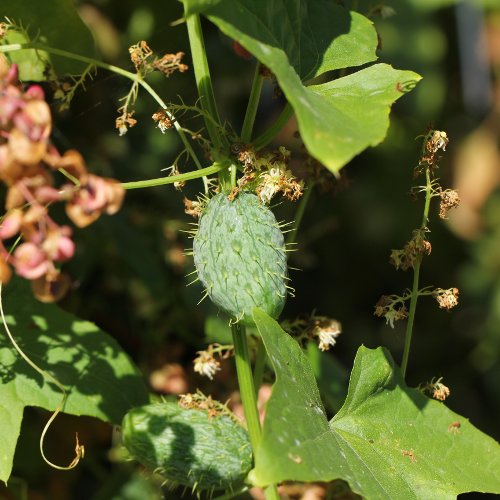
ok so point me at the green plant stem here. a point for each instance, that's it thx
(206, 93)
(134, 77)
(253, 104)
(416, 275)
(248, 395)
(245, 381)
(170, 179)
(268, 135)
(299, 214)
(203, 79)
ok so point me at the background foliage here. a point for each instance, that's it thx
(130, 269)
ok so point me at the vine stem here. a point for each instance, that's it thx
(268, 135)
(253, 104)
(416, 275)
(203, 79)
(205, 89)
(134, 77)
(248, 395)
(160, 181)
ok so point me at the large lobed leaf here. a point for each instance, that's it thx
(302, 39)
(100, 378)
(55, 23)
(387, 441)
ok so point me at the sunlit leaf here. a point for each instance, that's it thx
(301, 39)
(387, 441)
(99, 377)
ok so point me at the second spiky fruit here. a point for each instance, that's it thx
(239, 253)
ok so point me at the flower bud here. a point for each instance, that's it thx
(30, 261)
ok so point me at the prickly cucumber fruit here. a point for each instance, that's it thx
(187, 446)
(239, 253)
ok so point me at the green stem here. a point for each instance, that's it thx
(267, 136)
(203, 79)
(245, 382)
(134, 77)
(195, 174)
(248, 395)
(299, 214)
(253, 104)
(416, 275)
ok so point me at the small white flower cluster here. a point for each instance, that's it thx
(327, 333)
(205, 364)
(271, 183)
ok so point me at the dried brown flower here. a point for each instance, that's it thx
(163, 122)
(449, 200)
(170, 63)
(139, 53)
(447, 299)
(125, 121)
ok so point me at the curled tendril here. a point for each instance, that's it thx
(79, 449)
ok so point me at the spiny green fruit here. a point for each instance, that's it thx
(239, 253)
(187, 446)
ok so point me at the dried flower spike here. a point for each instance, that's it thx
(170, 63)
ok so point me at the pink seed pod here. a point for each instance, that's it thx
(30, 261)
(11, 224)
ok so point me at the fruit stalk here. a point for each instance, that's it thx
(248, 395)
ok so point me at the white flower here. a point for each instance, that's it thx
(328, 334)
(270, 184)
(205, 364)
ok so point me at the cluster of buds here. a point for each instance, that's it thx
(199, 401)
(437, 389)
(193, 207)
(27, 163)
(206, 363)
(412, 252)
(320, 329)
(267, 174)
(162, 120)
(449, 200)
(141, 55)
(433, 142)
(447, 299)
(392, 308)
(144, 61)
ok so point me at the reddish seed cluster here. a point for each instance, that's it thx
(28, 161)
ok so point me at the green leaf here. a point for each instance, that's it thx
(100, 378)
(387, 441)
(301, 39)
(307, 37)
(55, 23)
(339, 119)
(331, 376)
(31, 64)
